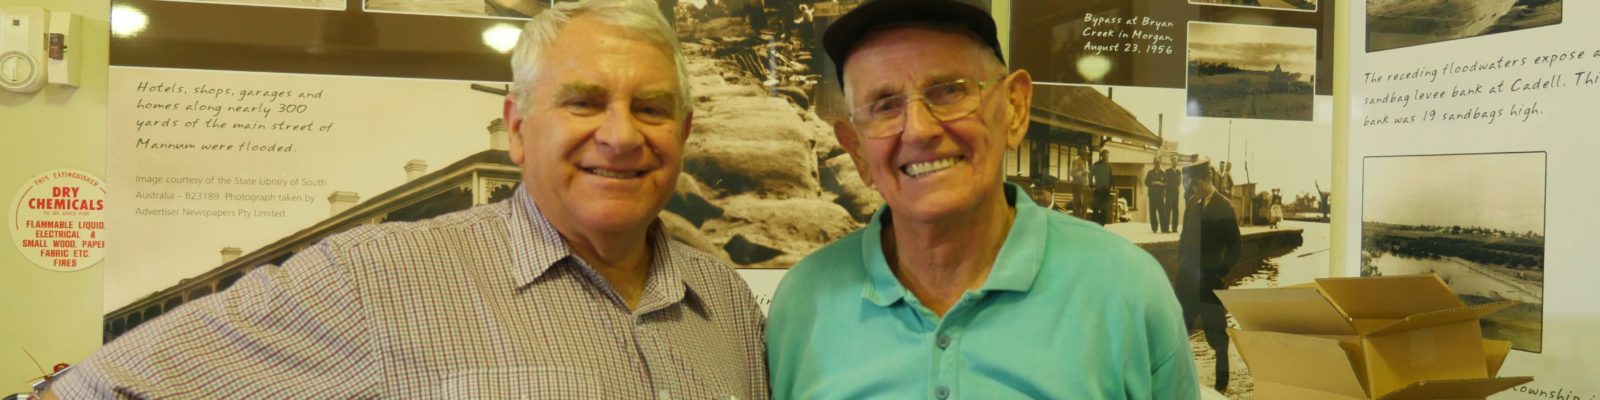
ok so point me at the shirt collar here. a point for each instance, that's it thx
(536, 246)
(1015, 267)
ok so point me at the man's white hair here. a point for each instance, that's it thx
(639, 19)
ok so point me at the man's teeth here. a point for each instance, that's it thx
(924, 168)
(614, 174)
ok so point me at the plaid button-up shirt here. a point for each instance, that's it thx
(485, 303)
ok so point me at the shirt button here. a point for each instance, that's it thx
(943, 342)
(943, 392)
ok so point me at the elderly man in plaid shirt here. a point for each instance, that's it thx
(569, 289)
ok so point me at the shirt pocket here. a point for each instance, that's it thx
(527, 382)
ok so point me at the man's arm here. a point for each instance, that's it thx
(1152, 181)
(278, 331)
(1230, 241)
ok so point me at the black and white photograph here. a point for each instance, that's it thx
(1476, 220)
(1144, 42)
(462, 8)
(1293, 5)
(764, 181)
(1393, 24)
(1251, 71)
(1047, 40)
(1128, 158)
(314, 4)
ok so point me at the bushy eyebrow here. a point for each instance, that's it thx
(578, 89)
(663, 97)
(887, 90)
(944, 77)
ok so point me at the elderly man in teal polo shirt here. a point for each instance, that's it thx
(961, 287)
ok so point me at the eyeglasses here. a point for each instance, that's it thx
(947, 102)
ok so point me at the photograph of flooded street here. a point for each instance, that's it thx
(1476, 220)
(1251, 71)
(1274, 176)
(1392, 24)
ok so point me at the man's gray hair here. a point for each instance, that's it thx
(640, 19)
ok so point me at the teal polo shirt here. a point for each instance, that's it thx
(1069, 311)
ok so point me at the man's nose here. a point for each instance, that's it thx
(619, 133)
(920, 124)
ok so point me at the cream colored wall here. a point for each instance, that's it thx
(54, 315)
(1341, 141)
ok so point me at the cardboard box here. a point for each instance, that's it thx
(1399, 337)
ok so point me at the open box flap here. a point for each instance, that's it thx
(1456, 389)
(1269, 390)
(1441, 317)
(1389, 297)
(1314, 363)
(1453, 351)
(1494, 354)
(1286, 310)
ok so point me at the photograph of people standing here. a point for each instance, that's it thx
(1155, 185)
(1100, 180)
(1174, 177)
(1208, 249)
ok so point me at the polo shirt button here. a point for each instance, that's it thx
(943, 342)
(943, 392)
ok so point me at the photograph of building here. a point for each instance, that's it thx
(1393, 24)
(1251, 71)
(481, 178)
(1071, 123)
(1476, 220)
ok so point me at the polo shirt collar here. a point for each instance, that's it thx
(1015, 267)
(536, 246)
(1022, 255)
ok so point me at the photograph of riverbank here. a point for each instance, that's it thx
(1476, 220)
(1295, 5)
(764, 180)
(1251, 71)
(1393, 24)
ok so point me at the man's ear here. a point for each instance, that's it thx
(688, 125)
(846, 134)
(1019, 107)
(512, 116)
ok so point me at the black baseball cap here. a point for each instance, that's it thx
(843, 34)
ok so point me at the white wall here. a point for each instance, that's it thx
(54, 315)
